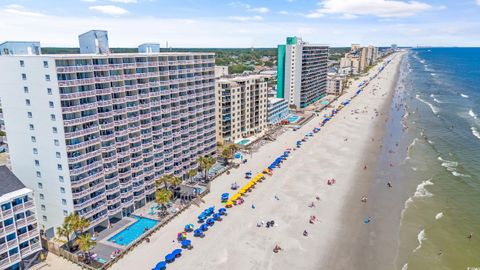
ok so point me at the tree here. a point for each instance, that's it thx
(85, 243)
(228, 151)
(73, 224)
(192, 173)
(206, 163)
(162, 197)
(79, 224)
(168, 179)
(2, 133)
(65, 231)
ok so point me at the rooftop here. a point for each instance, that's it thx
(10, 182)
(92, 55)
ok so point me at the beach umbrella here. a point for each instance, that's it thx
(181, 235)
(222, 211)
(229, 204)
(216, 216)
(170, 258)
(160, 266)
(204, 227)
(186, 243)
(198, 233)
(177, 252)
(189, 227)
(201, 218)
(210, 222)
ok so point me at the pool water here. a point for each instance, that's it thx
(243, 142)
(293, 118)
(134, 231)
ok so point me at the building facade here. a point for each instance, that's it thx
(277, 110)
(335, 83)
(19, 231)
(358, 59)
(302, 72)
(241, 107)
(221, 71)
(92, 132)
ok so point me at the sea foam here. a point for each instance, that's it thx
(464, 96)
(475, 132)
(421, 191)
(405, 266)
(433, 108)
(420, 237)
(439, 216)
(472, 114)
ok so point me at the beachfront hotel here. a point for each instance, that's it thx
(358, 59)
(335, 83)
(277, 109)
(302, 72)
(91, 132)
(241, 107)
(19, 231)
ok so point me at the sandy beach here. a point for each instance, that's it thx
(340, 150)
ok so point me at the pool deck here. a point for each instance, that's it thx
(105, 248)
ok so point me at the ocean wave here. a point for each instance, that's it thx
(448, 164)
(433, 74)
(464, 96)
(405, 266)
(433, 108)
(455, 173)
(420, 237)
(475, 132)
(435, 99)
(421, 191)
(439, 216)
(414, 169)
(430, 142)
(422, 61)
(472, 114)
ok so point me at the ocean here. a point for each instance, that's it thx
(432, 158)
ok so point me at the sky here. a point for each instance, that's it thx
(245, 23)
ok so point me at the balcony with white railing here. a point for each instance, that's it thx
(76, 95)
(76, 82)
(79, 206)
(79, 108)
(118, 89)
(80, 120)
(67, 69)
(83, 132)
(86, 168)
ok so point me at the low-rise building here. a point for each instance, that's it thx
(241, 107)
(277, 110)
(335, 83)
(19, 231)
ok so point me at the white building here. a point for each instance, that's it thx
(241, 107)
(19, 232)
(277, 110)
(90, 133)
(221, 71)
(302, 72)
(335, 83)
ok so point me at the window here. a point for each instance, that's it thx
(47, 78)
(64, 202)
(24, 76)
(58, 155)
(56, 142)
(45, 64)
(25, 89)
(39, 174)
(42, 197)
(60, 178)
(22, 63)
(54, 130)
(50, 104)
(65, 212)
(33, 139)
(27, 102)
(37, 163)
(29, 114)
(31, 127)
(62, 190)
(52, 117)
(35, 151)
(49, 91)
(43, 207)
(40, 185)
(44, 218)
(59, 167)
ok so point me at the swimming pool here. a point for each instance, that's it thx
(293, 119)
(244, 142)
(134, 231)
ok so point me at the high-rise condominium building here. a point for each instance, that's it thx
(19, 232)
(90, 133)
(241, 104)
(302, 72)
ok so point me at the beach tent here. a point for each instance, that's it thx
(186, 243)
(170, 258)
(160, 266)
(177, 252)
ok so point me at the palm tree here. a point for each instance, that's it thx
(65, 231)
(162, 197)
(206, 163)
(192, 173)
(165, 180)
(228, 152)
(79, 224)
(85, 243)
(73, 224)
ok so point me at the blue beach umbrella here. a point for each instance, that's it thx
(222, 211)
(210, 221)
(160, 266)
(177, 252)
(186, 243)
(198, 233)
(170, 258)
(189, 227)
(216, 216)
(204, 227)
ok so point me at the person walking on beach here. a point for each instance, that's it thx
(470, 236)
(389, 184)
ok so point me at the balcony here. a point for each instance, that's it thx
(73, 134)
(82, 205)
(79, 108)
(77, 95)
(86, 168)
(80, 120)
(76, 82)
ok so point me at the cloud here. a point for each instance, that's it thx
(284, 12)
(20, 10)
(125, 1)
(89, 1)
(478, 2)
(377, 8)
(249, 7)
(260, 10)
(109, 9)
(246, 18)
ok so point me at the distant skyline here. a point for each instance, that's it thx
(261, 23)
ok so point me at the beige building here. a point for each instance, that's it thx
(335, 83)
(221, 71)
(241, 107)
(358, 59)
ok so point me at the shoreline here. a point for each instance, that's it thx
(236, 242)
